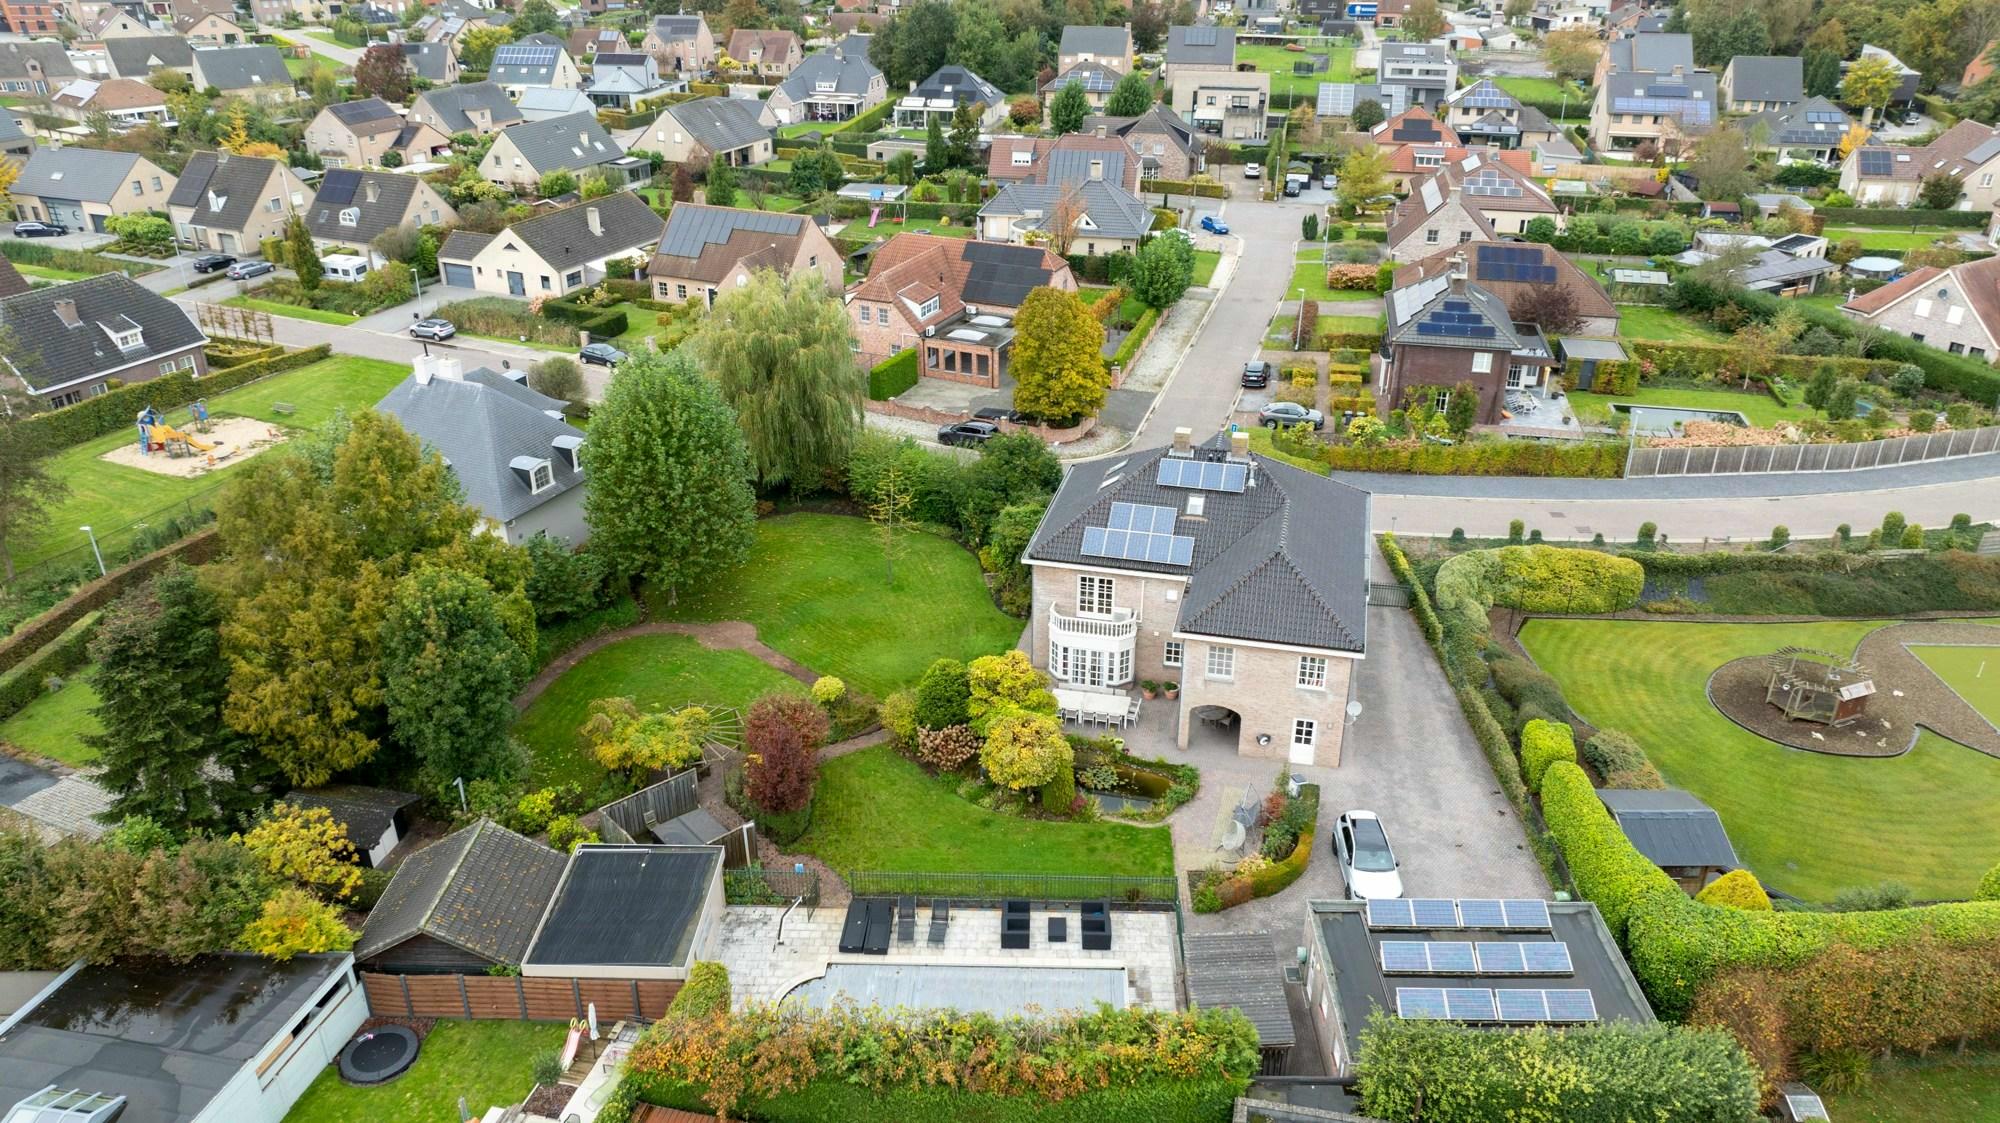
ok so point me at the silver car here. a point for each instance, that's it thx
(1367, 862)
(1290, 413)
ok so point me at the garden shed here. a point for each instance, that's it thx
(1817, 686)
(1241, 969)
(1675, 831)
(1586, 354)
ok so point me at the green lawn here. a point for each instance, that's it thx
(279, 308)
(1279, 334)
(658, 672)
(922, 226)
(53, 724)
(1964, 669)
(1648, 321)
(814, 587)
(1277, 62)
(1811, 824)
(1895, 238)
(486, 1063)
(1542, 89)
(1205, 262)
(1763, 410)
(877, 811)
(1913, 1090)
(49, 272)
(109, 496)
(1311, 276)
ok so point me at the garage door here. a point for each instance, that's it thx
(458, 275)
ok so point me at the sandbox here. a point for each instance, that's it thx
(235, 439)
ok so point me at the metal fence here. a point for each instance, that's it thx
(1752, 459)
(758, 886)
(1157, 893)
(76, 564)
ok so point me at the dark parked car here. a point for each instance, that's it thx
(209, 263)
(39, 229)
(603, 354)
(1257, 375)
(1291, 188)
(1289, 413)
(997, 414)
(433, 328)
(244, 270)
(974, 433)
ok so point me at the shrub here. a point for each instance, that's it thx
(1000, 683)
(1780, 535)
(1234, 891)
(899, 717)
(705, 992)
(893, 375)
(1872, 898)
(1737, 889)
(566, 834)
(1892, 527)
(1527, 687)
(1543, 743)
(1059, 794)
(826, 690)
(1206, 899)
(546, 1068)
(1610, 750)
(1440, 1072)
(948, 749)
(1024, 750)
(1989, 886)
(782, 735)
(944, 695)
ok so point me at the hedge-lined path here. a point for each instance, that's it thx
(722, 635)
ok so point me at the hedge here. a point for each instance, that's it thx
(833, 1099)
(75, 261)
(114, 410)
(599, 322)
(1705, 359)
(705, 992)
(1543, 743)
(1677, 945)
(1183, 187)
(1614, 1072)
(1128, 347)
(1602, 460)
(1279, 875)
(1355, 340)
(46, 628)
(1737, 889)
(25, 683)
(1613, 376)
(892, 375)
(1540, 579)
(1888, 218)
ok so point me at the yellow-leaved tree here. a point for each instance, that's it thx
(294, 922)
(1058, 366)
(1000, 683)
(622, 738)
(305, 846)
(1024, 750)
(1737, 889)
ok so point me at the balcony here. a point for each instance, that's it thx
(1094, 630)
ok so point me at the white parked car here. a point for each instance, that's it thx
(1253, 171)
(1367, 863)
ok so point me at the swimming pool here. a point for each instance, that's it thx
(1665, 421)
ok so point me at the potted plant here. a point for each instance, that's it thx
(1149, 688)
(1171, 689)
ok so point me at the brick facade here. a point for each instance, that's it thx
(1444, 368)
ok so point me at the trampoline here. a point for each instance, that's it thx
(378, 1055)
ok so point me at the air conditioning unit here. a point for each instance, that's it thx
(930, 331)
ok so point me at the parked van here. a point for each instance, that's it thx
(344, 266)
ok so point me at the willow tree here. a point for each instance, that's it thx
(782, 351)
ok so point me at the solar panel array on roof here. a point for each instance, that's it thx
(1667, 100)
(1198, 36)
(1486, 95)
(1512, 957)
(1877, 161)
(338, 186)
(1512, 263)
(356, 112)
(1415, 129)
(1824, 117)
(525, 54)
(1491, 182)
(1135, 545)
(1481, 1005)
(1432, 957)
(690, 230)
(1003, 275)
(1203, 475)
(1525, 913)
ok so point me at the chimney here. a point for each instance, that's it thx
(913, 85)
(1458, 273)
(373, 191)
(66, 312)
(425, 369)
(1677, 70)
(451, 369)
(1183, 440)
(1097, 169)
(596, 222)
(1239, 444)
(1100, 130)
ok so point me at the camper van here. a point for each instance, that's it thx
(344, 266)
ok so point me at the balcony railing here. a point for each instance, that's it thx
(1122, 624)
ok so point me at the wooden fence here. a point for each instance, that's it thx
(514, 998)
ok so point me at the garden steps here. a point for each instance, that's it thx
(1989, 543)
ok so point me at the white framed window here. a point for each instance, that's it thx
(1305, 731)
(1441, 400)
(1515, 376)
(1482, 362)
(1093, 594)
(542, 478)
(1923, 308)
(126, 340)
(1170, 656)
(928, 307)
(1431, 237)
(1089, 668)
(350, 216)
(1221, 662)
(1312, 672)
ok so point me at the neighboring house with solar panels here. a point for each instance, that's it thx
(951, 298)
(1513, 271)
(555, 252)
(683, 44)
(85, 188)
(1483, 113)
(1413, 125)
(230, 203)
(465, 903)
(1099, 216)
(1242, 578)
(522, 66)
(1667, 109)
(1762, 83)
(699, 130)
(1338, 99)
(1808, 131)
(222, 1038)
(1096, 79)
(1445, 331)
(1473, 199)
(1167, 147)
(358, 134)
(353, 208)
(1955, 309)
(1494, 964)
(1426, 72)
(941, 96)
(705, 250)
(1103, 46)
(516, 458)
(1879, 174)
(1199, 48)
(832, 85)
(479, 108)
(622, 80)
(1231, 104)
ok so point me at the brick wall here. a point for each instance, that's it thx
(1445, 367)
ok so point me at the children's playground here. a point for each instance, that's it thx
(190, 442)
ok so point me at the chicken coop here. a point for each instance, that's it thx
(1817, 686)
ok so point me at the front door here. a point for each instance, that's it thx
(517, 285)
(1305, 735)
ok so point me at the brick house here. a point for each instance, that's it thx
(82, 334)
(1955, 309)
(682, 44)
(1167, 146)
(770, 53)
(1446, 330)
(1513, 272)
(1474, 199)
(956, 298)
(230, 204)
(357, 134)
(1249, 590)
(1884, 174)
(705, 250)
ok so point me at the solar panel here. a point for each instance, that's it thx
(1521, 1005)
(1391, 914)
(1435, 912)
(1571, 1005)
(1501, 958)
(1421, 1002)
(1805, 1105)
(1452, 957)
(1526, 913)
(1486, 95)
(1491, 182)
(1822, 117)
(338, 185)
(1204, 475)
(1141, 516)
(1547, 957)
(1469, 1004)
(1875, 161)
(1480, 912)
(1405, 957)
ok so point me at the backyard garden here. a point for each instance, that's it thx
(1278, 62)
(477, 1062)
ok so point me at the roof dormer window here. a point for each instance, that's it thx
(537, 473)
(350, 216)
(129, 340)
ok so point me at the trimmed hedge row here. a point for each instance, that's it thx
(1891, 217)
(601, 323)
(892, 375)
(1698, 359)
(114, 409)
(24, 684)
(1441, 1072)
(1350, 340)
(1677, 945)
(1279, 876)
(1183, 187)
(1541, 579)
(46, 628)
(705, 992)
(1128, 347)
(1543, 743)
(1601, 460)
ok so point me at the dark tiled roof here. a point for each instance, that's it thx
(482, 889)
(1103, 42)
(671, 28)
(960, 85)
(86, 174)
(482, 422)
(1653, 52)
(235, 182)
(449, 103)
(1240, 970)
(367, 116)
(1113, 211)
(1285, 561)
(573, 141)
(1212, 46)
(721, 124)
(1671, 827)
(1818, 123)
(1429, 314)
(845, 64)
(140, 55)
(366, 812)
(52, 59)
(1779, 78)
(563, 238)
(242, 68)
(52, 354)
(344, 188)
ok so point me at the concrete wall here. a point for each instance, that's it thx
(17, 988)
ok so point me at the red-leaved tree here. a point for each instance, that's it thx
(782, 736)
(381, 72)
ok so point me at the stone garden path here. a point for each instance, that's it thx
(723, 635)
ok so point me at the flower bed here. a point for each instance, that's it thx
(1280, 859)
(1162, 784)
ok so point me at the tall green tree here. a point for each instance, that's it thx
(1058, 357)
(1868, 86)
(781, 349)
(1132, 96)
(449, 672)
(721, 186)
(1068, 108)
(301, 255)
(1822, 72)
(27, 486)
(816, 172)
(1367, 114)
(1163, 269)
(1721, 163)
(1940, 190)
(161, 683)
(533, 17)
(964, 136)
(1720, 33)
(1422, 21)
(937, 151)
(670, 498)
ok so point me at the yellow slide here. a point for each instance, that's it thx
(165, 433)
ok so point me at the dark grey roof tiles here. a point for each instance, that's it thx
(51, 354)
(1671, 827)
(366, 812)
(224, 190)
(450, 103)
(429, 60)
(1102, 42)
(720, 124)
(845, 65)
(378, 201)
(241, 68)
(692, 228)
(573, 141)
(1779, 78)
(1201, 46)
(481, 422)
(91, 175)
(960, 85)
(36, 60)
(482, 889)
(140, 55)
(1240, 970)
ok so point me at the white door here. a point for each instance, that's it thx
(1305, 735)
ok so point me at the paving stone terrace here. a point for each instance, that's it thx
(762, 970)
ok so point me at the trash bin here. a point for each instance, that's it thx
(1293, 783)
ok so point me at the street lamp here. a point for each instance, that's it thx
(1299, 321)
(99, 554)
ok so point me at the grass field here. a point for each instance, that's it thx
(1205, 262)
(1277, 62)
(1543, 89)
(1811, 824)
(1965, 670)
(486, 1063)
(1763, 410)
(662, 672)
(53, 724)
(877, 811)
(814, 585)
(1647, 321)
(1311, 276)
(1279, 334)
(1913, 1090)
(110, 496)
(279, 308)
(1900, 238)
(49, 272)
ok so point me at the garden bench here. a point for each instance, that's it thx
(285, 408)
